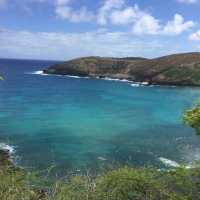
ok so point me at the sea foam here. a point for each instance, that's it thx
(11, 151)
(169, 163)
(7, 147)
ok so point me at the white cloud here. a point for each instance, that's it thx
(147, 24)
(118, 12)
(62, 2)
(81, 15)
(142, 22)
(64, 11)
(187, 1)
(195, 36)
(177, 25)
(126, 16)
(105, 10)
(52, 45)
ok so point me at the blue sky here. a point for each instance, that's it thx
(64, 29)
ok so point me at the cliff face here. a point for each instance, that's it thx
(178, 69)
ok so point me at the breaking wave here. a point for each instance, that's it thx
(8, 148)
(39, 72)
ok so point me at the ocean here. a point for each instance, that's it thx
(78, 124)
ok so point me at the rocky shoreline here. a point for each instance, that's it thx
(176, 70)
(5, 159)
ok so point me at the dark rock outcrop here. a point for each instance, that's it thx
(178, 69)
(5, 158)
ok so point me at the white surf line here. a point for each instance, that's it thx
(73, 76)
(132, 83)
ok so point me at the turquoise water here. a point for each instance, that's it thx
(78, 124)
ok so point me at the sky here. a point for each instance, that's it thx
(65, 29)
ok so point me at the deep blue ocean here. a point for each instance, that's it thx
(78, 123)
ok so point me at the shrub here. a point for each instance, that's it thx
(192, 118)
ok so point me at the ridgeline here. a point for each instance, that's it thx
(178, 69)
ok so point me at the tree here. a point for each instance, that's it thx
(192, 118)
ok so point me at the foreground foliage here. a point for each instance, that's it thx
(14, 185)
(122, 184)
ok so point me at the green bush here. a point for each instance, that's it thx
(192, 118)
(131, 183)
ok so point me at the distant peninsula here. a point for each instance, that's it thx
(177, 69)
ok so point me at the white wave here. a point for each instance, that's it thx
(169, 163)
(82, 77)
(7, 147)
(39, 72)
(144, 83)
(138, 84)
(135, 85)
(70, 76)
(101, 158)
(110, 79)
